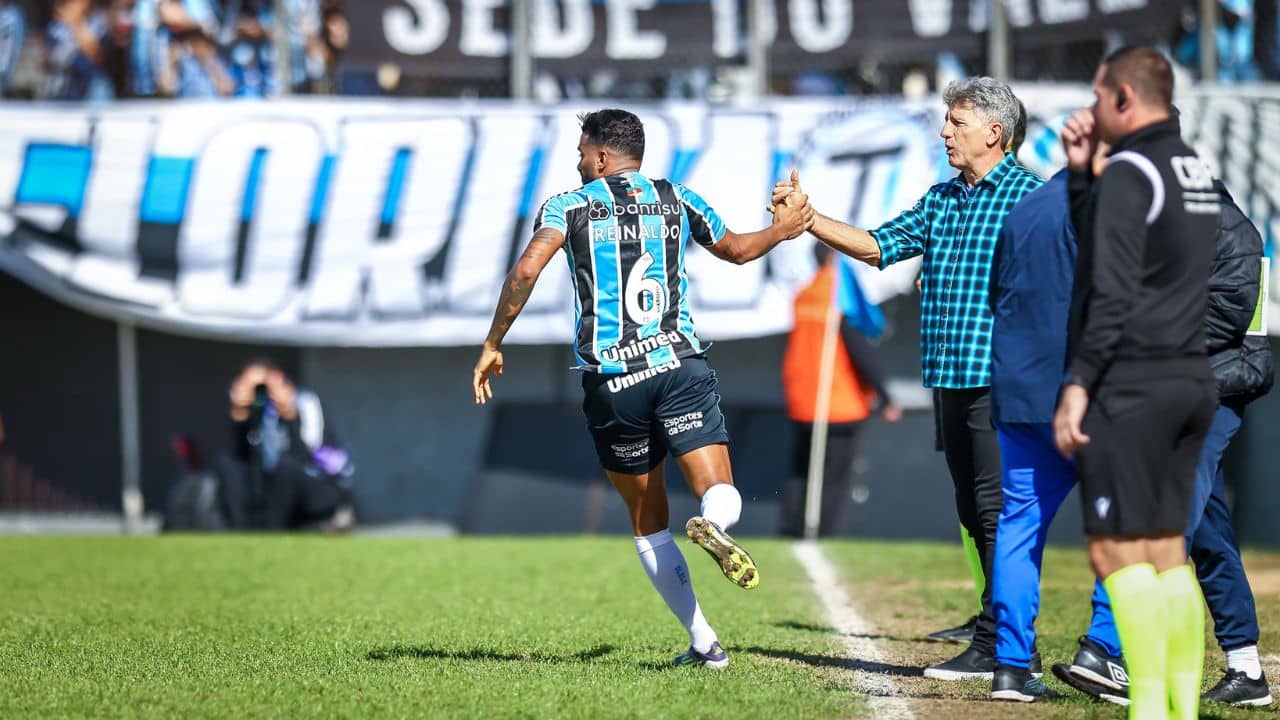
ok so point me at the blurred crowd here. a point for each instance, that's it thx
(106, 49)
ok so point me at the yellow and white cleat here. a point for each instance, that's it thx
(734, 562)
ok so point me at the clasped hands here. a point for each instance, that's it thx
(790, 207)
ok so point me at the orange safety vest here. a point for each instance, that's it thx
(850, 400)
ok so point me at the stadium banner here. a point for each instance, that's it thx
(469, 38)
(392, 223)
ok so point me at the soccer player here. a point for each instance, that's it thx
(647, 387)
(1138, 398)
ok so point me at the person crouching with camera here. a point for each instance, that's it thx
(286, 469)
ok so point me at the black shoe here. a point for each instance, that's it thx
(1018, 684)
(1036, 668)
(1235, 688)
(962, 634)
(1062, 671)
(1092, 663)
(970, 664)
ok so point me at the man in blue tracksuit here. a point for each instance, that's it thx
(1030, 296)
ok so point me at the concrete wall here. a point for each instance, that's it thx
(422, 448)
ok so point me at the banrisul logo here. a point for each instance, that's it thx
(598, 210)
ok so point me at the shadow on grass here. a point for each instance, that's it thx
(828, 630)
(416, 652)
(835, 661)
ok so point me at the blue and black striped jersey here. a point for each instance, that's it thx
(625, 237)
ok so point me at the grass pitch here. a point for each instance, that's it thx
(371, 627)
(293, 626)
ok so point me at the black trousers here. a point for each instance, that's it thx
(837, 478)
(972, 451)
(291, 497)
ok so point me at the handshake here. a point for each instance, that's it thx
(790, 207)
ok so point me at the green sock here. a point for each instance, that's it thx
(1185, 610)
(1137, 601)
(975, 564)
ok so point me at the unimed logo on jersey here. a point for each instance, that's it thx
(640, 346)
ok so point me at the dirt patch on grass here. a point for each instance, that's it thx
(905, 592)
(1265, 581)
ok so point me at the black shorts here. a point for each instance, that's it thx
(1138, 471)
(636, 418)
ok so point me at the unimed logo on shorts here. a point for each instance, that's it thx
(683, 423)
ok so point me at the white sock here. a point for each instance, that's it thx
(722, 505)
(669, 574)
(1246, 660)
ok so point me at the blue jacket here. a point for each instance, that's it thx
(1030, 295)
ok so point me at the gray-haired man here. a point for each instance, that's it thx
(954, 226)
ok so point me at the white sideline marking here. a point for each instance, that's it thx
(882, 692)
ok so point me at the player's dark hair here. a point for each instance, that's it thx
(1143, 68)
(616, 130)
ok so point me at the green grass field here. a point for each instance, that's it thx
(476, 628)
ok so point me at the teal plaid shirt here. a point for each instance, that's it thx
(955, 227)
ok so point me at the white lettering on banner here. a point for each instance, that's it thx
(768, 20)
(480, 38)
(433, 179)
(550, 38)
(421, 266)
(724, 26)
(1019, 12)
(827, 34)
(979, 15)
(418, 31)
(109, 220)
(108, 224)
(503, 148)
(930, 18)
(865, 168)
(207, 243)
(558, 139)
(1115, 6)
(625, 41)
(1063, 11)
(742, 142)
(348, 250)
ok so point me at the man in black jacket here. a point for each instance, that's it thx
(1138, 398)
(1242, 369)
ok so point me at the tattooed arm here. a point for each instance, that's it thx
(516, 290)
